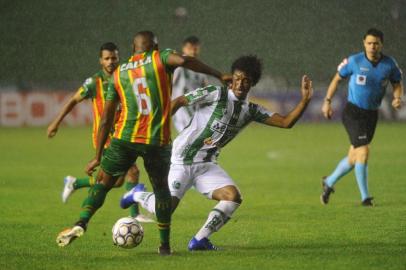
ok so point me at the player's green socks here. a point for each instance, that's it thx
(83, 182)
(134, 209)
(361, 173)
(163, 210)
(94, 201)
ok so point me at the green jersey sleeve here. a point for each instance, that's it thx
(164, 55)
(111, 90)
(259, 113)
(205, 95)
(88, 89)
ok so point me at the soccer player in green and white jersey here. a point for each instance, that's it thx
(143, 88)
(95, 88)
(221, 114)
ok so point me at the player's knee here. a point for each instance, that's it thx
(133, 174)
(229, 193)
(362, 154)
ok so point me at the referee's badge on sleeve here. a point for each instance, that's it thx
(361, 79)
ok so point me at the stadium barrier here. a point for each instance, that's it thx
(38, 108)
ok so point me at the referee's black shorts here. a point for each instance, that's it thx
(360, 124)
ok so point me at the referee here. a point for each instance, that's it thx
(369, 73)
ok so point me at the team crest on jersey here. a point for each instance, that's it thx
(361, 79)
(208, 141)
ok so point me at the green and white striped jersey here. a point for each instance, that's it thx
(219, 117)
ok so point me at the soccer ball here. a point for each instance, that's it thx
(127, 233)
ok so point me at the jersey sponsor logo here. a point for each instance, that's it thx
(364, 69)
(136, 64)
(342, 64)
(198, 93)
(218, 126)
(361, 79)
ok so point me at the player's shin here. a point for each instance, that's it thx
(146, 200)
(342, 169)
(94, 201)
(361, 174)
(163, 210)
(84, 182)
(218, 216)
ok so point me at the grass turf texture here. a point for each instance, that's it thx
(280, 225)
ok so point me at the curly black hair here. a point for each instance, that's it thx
(251, 65)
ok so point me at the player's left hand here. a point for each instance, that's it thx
(91, 166)
(397, 103)
(307, 88)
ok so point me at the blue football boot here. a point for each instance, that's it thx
(127, 200)
(202, 244)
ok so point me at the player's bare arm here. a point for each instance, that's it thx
(290, 120)
(66, 109)
(106, 124)
(177, 103)
(397, 95)
(332, 88)
(194, 64)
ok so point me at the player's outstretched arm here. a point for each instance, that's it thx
(332, 88)
(106, 124)
(397, 95)
(290, 120)
(67, 108)
(194, 64)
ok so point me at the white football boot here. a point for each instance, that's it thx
(68, 187)
(66, 237)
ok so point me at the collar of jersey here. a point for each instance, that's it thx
(234, 98)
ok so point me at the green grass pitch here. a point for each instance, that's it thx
(280, 225)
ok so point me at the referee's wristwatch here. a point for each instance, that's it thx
(328, 100)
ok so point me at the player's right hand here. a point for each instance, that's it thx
(91, 166)
(327, 110)
(52, 130)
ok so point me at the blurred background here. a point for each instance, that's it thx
(50, 47)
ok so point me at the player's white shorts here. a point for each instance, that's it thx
(204, 177)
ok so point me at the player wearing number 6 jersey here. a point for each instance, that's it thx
(143, 88)
(221, 114)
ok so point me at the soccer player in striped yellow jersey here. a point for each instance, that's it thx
(95, 88)
(143, 88)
